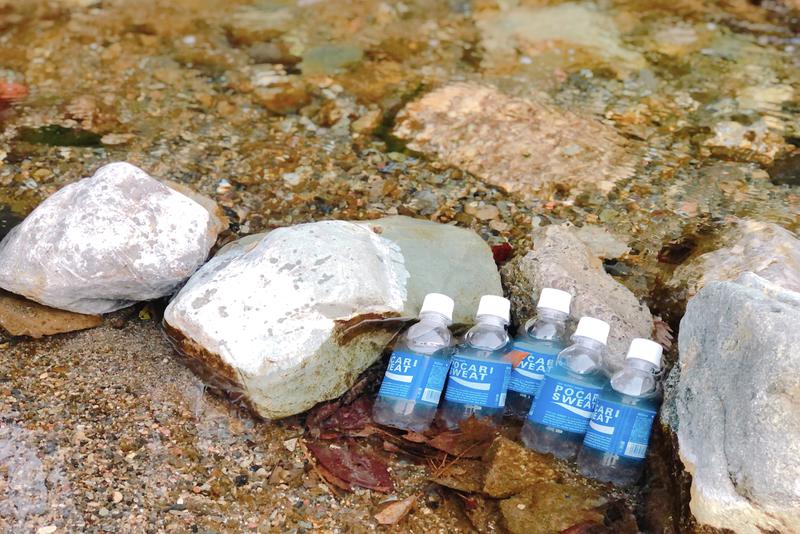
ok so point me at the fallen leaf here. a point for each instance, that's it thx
(396, 511)
(333, 479)
(353, 464)
(502, 253)
(415, 437)
(355, 416)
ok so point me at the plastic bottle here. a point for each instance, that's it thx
(616, 442)
(415, 377)
(537, 345)
(560, 414)
(479, 374)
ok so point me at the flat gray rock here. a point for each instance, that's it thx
(104, 242)
(290, 318)
(559, 259)
(735, 405)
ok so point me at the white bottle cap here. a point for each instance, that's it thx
(554, 299)
(438, 303)
(494, 305)
(593, 329)
(644, 349)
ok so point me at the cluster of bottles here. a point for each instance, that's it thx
(569, 405)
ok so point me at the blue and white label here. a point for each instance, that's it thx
(416, 377)
(620, 429)
(478, 382)
(564, 405)
(527, 377)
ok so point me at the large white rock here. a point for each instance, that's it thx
(735, 405)
(559, 259)
(101, 243)
(290, 318)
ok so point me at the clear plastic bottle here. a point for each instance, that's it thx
(479, 373)
(418, 366)
(615, 444)
(537, 345)
(561, 412)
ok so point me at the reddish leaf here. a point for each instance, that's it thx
(354, 416)
(352, 464)
(502, 253)
(333, 479)
(396, 511)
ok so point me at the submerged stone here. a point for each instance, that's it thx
(510, 468)
(291, 318)
(22, 317)
(551, 507)
(534, 30)
(756, 142)
(101, 243)
(521, 146)
(735, 405)
(330, 59)
(766, 249)
(561, 260)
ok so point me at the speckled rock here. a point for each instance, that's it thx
(289, 319)
(101, 243)
(735, 405)
(551, 507)
(510, 468)
(559, 259)
(766, 249)
(518, 145)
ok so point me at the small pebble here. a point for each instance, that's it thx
(116, 497)
(49, 529)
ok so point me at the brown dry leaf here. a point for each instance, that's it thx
(414, 437)
(396, 511)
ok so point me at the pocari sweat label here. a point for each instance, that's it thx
(620, 429)
(527, 377)
(564, 405)
(478, 382)
(416, 377)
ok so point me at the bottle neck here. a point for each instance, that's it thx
(434, 318)
(491, 320)
(589, 344)
(641, 365)
(636, 379)
(548, 325)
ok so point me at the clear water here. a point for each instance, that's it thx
(518, 404)
(577, 365)
(483, 343)
(430, 339)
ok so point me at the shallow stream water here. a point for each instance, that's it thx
(284, 112)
